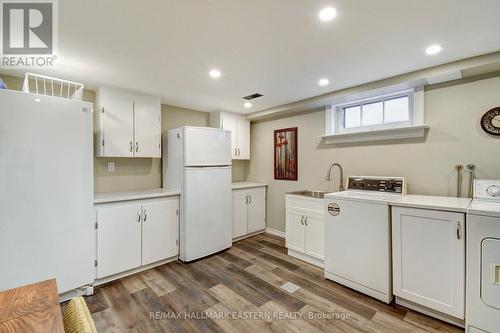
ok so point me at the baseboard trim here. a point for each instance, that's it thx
(248, 235)
(275, 232)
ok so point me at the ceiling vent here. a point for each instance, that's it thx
(252, 96)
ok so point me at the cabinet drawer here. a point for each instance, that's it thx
(304, 204)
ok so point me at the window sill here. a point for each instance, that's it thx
(397, 133)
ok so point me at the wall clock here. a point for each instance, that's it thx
(491, 121)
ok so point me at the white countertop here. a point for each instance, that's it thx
(156, 193)
(242, 185)
(450, 204)
(133, 195)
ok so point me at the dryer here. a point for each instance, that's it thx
(483, 259)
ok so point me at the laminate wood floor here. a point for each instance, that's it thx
(240, 290)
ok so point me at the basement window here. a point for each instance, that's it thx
(377, 117)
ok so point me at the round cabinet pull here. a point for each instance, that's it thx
(333, 209)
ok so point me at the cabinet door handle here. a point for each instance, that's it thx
(239, 152)
(138, 216)
(137, 147)
(305, 221)
(131, 146)
(145, 215)
(250, 199)
(302, 220)
(459, 236)
(246, 198)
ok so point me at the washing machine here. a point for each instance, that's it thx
(483, 259)
(358, 234)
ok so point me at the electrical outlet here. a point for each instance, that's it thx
(111, 166)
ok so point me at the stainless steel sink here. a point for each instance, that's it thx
(311, 193)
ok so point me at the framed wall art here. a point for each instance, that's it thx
(285, 154)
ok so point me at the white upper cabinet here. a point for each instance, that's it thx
(243, 139)
(240, 132)
(128, 123)
(147, 126)
(116, 122)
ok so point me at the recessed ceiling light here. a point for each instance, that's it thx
(37, 99)
(433, 49)
(214, 73)
(248, 105)
(324, 82)
(327, 14)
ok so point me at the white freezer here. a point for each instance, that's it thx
(207, 198)
(205, 146)
(46, 191)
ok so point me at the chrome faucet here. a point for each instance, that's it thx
(329, 173)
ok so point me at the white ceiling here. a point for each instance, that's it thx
(278, 48)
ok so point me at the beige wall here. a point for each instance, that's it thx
(455, 135)
(138, 173)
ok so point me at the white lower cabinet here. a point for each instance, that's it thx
(118, 238)
(295, 230)
(304, 236)
(249, 211)
(159, 230)
(428, 249)
(135, 233)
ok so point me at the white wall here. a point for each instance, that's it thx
(453, 114)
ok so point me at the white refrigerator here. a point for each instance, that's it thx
(197, 163)
(46, 191)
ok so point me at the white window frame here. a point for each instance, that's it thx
(414, 127)
(340, 114)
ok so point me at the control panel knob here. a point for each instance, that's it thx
(493, 190)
